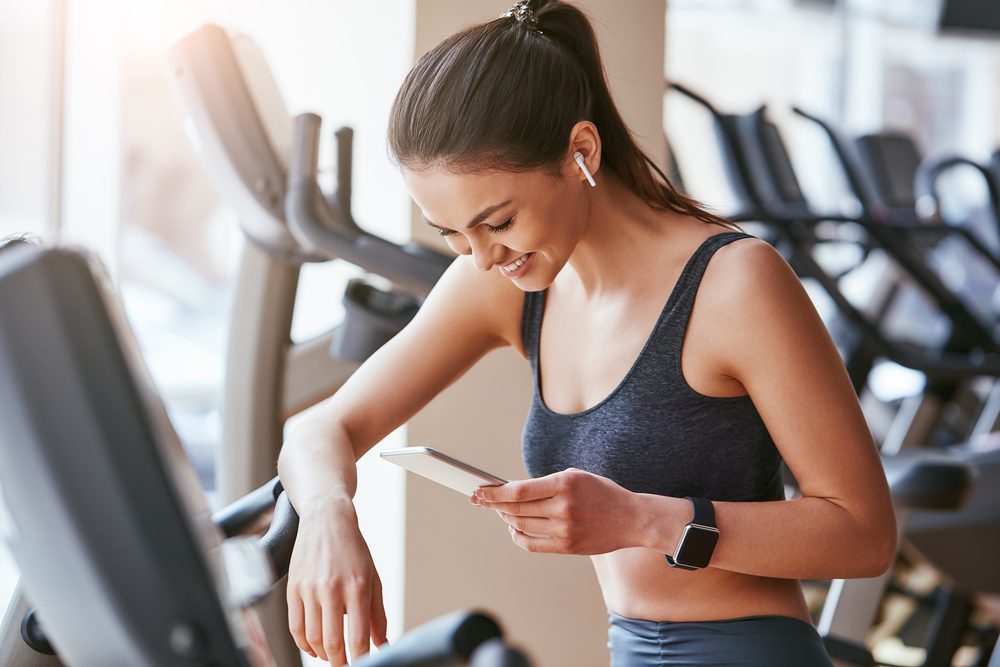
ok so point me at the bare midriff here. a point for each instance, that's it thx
(637, 583)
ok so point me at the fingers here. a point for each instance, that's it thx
(522, 490)
(534, 544)
(379, 622)
(314, 628)
(332, 640)
(331, 574)
(537, 526)
(318, 629)
(297, 621)
(547, 507)
(359, 621)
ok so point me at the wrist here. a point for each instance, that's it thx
(340, 505)
(660, 521)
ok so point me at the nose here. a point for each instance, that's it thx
(485, 255)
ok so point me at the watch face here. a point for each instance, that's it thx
(697, 546)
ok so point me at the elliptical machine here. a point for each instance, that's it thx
(126, 502)
(265, 166)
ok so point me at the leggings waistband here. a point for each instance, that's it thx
(750, 641)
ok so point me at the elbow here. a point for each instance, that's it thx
(880, 547)
(880, 557)
(874, 538)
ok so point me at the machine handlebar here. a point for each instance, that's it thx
(327, 228)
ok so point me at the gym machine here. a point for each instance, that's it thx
(761, 174)
(245, 136)
(105, 517)
(954, 519)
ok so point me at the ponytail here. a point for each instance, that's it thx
(506, 93)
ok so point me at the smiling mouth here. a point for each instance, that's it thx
(516, 263)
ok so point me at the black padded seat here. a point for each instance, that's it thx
(892, 159)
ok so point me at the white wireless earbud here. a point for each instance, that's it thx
(578, 156)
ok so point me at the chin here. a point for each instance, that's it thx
(531, 285)
(540, 276)
(536, 281)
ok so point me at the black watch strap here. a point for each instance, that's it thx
(703, 515)
(704, 512)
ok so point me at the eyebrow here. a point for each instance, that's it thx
(482, 215)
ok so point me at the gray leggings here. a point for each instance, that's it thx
(753, 641)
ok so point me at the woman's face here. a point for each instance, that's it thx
(523, 225)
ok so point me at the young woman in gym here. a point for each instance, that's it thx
(656, 417)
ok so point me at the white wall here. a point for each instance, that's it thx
(25, 87)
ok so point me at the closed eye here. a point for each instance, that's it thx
(501, 227)
(492, 229)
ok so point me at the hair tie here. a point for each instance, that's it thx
(522, 13)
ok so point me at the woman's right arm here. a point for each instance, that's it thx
(467, 314)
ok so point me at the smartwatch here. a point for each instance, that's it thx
(694, 550)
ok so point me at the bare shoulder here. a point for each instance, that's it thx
(760, 307)
(481, 303)
(748, 274)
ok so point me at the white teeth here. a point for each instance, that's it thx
(516, 263)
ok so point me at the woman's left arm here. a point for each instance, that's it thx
(768, 336)
(778, 348)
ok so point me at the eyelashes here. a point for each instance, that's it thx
(501, 227)
(493, 230)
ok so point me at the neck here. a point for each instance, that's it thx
(609, 257)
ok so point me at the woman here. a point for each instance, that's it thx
(575, 247)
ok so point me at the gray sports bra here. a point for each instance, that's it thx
(654, 433)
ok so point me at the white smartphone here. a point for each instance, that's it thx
(441, 468)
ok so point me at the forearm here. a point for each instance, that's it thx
(806, 538)
(317, 464)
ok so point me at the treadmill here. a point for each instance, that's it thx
(946, 499)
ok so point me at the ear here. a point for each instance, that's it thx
(584, 138)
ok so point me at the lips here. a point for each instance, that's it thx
(518, 266)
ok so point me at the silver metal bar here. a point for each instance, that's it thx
(252, 422)
(989, 416)
(913, 424)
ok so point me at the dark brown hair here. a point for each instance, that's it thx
(506, 93)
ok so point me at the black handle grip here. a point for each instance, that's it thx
(280, 537)
(494, 653)
(34, 635)
(237, 517)
(448, 640)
